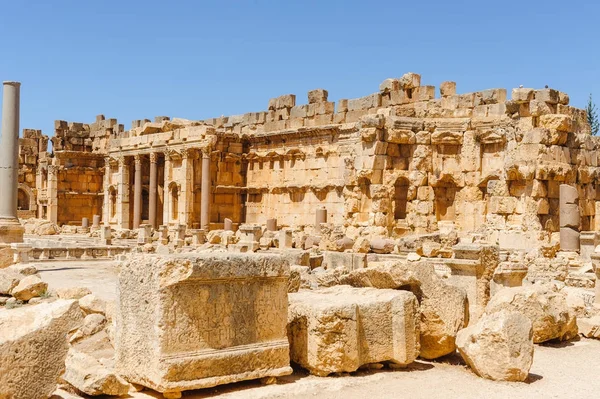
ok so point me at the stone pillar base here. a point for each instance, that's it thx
(11, 231)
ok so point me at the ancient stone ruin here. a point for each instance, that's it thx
(401, 227)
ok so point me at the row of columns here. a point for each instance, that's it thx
(187, 187)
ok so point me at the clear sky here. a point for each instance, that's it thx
(199, 59)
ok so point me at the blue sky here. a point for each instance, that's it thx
(199, 59)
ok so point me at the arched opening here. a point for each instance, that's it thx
(174, 202)
(22, 200)
(145, 204)
(400, 198)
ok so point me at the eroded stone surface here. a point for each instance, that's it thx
(193, 321)
(33, 347)
(341, 328)
(543, 305)
(499, 346)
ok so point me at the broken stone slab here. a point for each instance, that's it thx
(444, 308)
(190, 321)
(33, 347)
(72, 292)
(543, 305)
(29, 287)
(589, 327)
(341, 328)
(92, 304)
(91, 377)
(499, 346)
(382, 246)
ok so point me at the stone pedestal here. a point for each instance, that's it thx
(198, 237)
(106, 235)
(588, 240)
(144, 234)
(249, 238)
(163, 234)
(96, 221)
(11, 230)
(227, 225)
(195, 321)
(285, 239)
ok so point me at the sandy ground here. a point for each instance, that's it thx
(567, 370)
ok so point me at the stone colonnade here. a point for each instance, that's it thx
(178, 192)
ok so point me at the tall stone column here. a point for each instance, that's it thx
(137, 192)
(206, 191)
(186, 200)
(153, 189)
(167, 192)
(105, 189)
(123, 194)
(52, 194)
(11, 230)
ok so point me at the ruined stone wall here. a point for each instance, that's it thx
(32, 150)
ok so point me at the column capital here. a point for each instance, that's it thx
(206, 151)
(52, 169)
(153, 157)
(137, 158)
(122, 160)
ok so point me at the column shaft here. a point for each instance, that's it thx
(9, 150)
(206, 192)
(153, 188)
(137, 193)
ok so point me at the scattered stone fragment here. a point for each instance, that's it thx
(33, 347)
(90, 376)
(499, 347)
(72, 292)
(543, 305)
(29, 287)
(92, 304)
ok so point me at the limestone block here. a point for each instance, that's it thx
(539, 108)
(569, 216)
(444, 308)
(499, 347)
(317, 96)
(92, 304)
(550, 96)
(568, 194)
(90, 376)
(522, 95)
(569, 239)
(389, 85)
(493, 96)
(546, 308)
(589, 327)
(447, 89)
(190, 321)
(382, 246)
(29, 287)
(9, 279)
(341, 328)
(562, 123)
(410, 80)
(33, 347)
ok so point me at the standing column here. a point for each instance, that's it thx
(10, 229)
(166, 190)
(186, 199)
(137, 192)
(123, 194)
(152, 193)
(206, 191)
(106, 186)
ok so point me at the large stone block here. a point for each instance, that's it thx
(195, 321)
(33, 347)
(341, 328)
(499, 346)
(546, 308)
